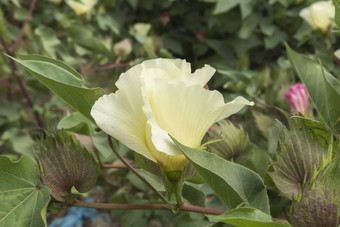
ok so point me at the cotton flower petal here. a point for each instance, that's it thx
(200, 76)
(120, 115)
(168, 162)
(184, 112)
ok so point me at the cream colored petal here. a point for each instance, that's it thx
(200, 76)
(183, 65)
(233, 107)
(79, 8)
(167, 65)
(306, 15)
(120, 115)
(185, 112)
(174, 162)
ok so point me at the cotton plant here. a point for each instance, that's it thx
(165, 114)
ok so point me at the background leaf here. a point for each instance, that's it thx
(248, 217)
(23, 198)
(337, 12)
(63, 80)
(322, 87)
(224, 177)
(76, 122)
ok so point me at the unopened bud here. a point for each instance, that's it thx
(231, 142)
(297, 96)
(65, 163)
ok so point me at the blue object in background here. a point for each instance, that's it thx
(75, 216)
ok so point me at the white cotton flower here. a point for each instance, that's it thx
(319, 15)
(123, 47)
(158, 98)
(82, 7)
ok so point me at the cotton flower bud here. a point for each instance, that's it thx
(231, 142)
(297, 97)
(65, 163)
(319, 15)
(320, 202)
(123, 47)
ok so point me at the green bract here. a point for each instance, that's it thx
(64, 164)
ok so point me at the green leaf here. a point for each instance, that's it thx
(276, 38)
(23, 198)
(106, 21)
(101, 144)
(248, 217)
(249, 25)
(234, 184)
(63, 80)
(10, 111)
(19, 141)
(48, 38)
(154, 180)
(337, 12)
(246, 7)
(76, 122)
(322, 87)
(193, 195)
(223, 6)
(86, 39)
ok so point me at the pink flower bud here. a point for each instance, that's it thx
(199, 35)
(165, 17)
(297, 97)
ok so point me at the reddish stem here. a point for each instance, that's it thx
(106, 67)
(116, 166)
(23, 88)
(22, 30)
(184, 207)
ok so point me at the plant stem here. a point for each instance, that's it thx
(23, 88)
(18, 38)
(118, 166)
(122, 159)
(184, 207)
